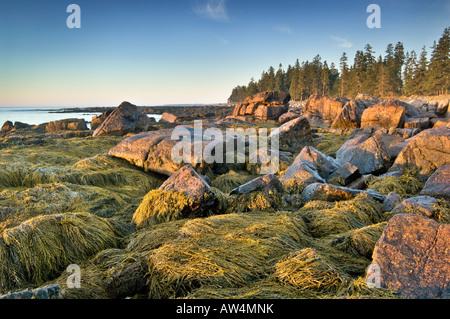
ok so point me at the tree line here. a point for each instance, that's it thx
(394, 74)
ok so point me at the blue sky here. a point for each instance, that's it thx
(190, 51)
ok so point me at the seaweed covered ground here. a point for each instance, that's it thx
(65, 201)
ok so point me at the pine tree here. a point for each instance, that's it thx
(421, 73)
(325, 78)
(252, 87)
(437, 78)
(344, 72)
(410, 83)
(280, 79)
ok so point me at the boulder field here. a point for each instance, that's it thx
(358, 206)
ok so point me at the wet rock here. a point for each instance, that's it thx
(126, 118)
(438, 185)
(43, 293)
(412, 256)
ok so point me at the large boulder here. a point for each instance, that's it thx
(350, 115)
(126, 118)
(412, 257)
(387, 115)
(97, 120)
(185, 194)
(323, 110)
(150, 151)
(67, 125)
(371, 153)
(264, 106)
(293, 135)
(187, 180)
(438, 185)
(156, 151)
(426, 151)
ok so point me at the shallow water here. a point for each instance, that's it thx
(39, 115)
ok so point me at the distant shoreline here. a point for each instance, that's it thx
(147, 109)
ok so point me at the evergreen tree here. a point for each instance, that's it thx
(344, 72)
(252, 87)
(421, 73)
(437, 79)
(325, 78)
(410, 82)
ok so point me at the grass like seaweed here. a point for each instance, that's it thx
(161, 206)
(325, 218)
(407, 185)
(329, 143)
(257, 201)
(229, 181)
(308, 269)
(227, 250)
(38, 249)
(359, 242)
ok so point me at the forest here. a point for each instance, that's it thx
(397, 73)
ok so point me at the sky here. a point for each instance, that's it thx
(186, 51)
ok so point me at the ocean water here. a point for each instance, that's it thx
(39, 115)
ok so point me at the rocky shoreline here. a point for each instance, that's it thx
(360, 198)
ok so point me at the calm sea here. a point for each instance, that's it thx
(39, 115)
